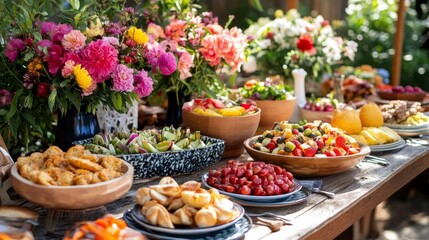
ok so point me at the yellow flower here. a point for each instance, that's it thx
(137, 35)
(34, 65)
(82, 77)
(95, 28)
(278, 13)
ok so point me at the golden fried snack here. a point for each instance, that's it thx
(54, 150)
(75, 151)
(186, 215)
(75, 167)
(206, 217)
(143, 196)
(84, 164)
(44, 178)
(147, 205)
(108, 174)
(158, 215)
(112, 162)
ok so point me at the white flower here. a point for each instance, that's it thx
(332, 50)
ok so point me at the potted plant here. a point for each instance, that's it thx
(275, 100)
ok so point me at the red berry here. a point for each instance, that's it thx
(248, 173)
(256, 169)
(256, 180)
(226, 171)
(310, 152)
(295, 131)
(240, 173)
(245, 190)
(228, 188)
(285, 188)
(271, 146)
(340, 141)
(289, 175)
(320, 144)
(297, 152)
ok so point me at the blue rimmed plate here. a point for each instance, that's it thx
(184, 230)
(252, 198)
(296, 198)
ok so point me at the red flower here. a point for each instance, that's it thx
(43, 89)
(305, 44)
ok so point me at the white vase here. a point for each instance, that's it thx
(111, 121)
(299, 89)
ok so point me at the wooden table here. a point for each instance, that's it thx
(358, 190)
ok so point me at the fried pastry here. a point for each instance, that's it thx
(186, 215)
(169, 190)
(158, 215)
(197, 199)
(113, 163)
(84, 164)
(143, 195)
(206, 217)
(54, 150)
(75, 151)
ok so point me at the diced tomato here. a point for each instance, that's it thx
(296, 143)
(246, 105)
(337, 152)
(310, 152)
(353, 151)
(330, 154)
(340, 141)
(271, 146)
(297, 152)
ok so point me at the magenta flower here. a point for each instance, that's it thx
(123, 78)
(30, 79)
(143, 84)
(55, 62)
(13, 47)
(5, 97)
(111, 40)
(59, 32)
(167, 63)
(114, 29)
(152, 53)
(47, 28)
(41, 45)
(100, 59)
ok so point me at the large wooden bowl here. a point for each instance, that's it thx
(416, 97)
(274, 111)
(311, 115)
(233, 130)
(308, 166)
(73, 197)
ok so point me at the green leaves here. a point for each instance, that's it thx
(117, 100)
(51, 99)
(75, 4)
(14, 104)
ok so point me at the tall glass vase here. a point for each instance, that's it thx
(75, 126)
(174, 110)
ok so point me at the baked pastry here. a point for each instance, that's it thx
(197, 199)
(206, 217)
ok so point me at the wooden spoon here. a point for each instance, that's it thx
(273, 225)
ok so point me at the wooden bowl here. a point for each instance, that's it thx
(311, 115)
(416, 97)
(308, 166)
(233, 130)
(274, 111)
(73, 197)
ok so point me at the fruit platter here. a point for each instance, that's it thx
(408, 93)
(170, 210)
(319, 108)
(231, 121)
(307, 149)
(163, 152)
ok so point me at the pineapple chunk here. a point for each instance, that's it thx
(381, 137)
(359, 138)
(369, 138)
(393, 135)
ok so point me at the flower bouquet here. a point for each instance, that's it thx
(290, 41)
(266, 90)
(62, 67)
(192, 49)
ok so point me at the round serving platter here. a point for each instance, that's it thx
(388, 147)
(298, 197)
(236, 231)
(183, 230)
(252, 198)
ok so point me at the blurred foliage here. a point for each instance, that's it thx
(371, 23)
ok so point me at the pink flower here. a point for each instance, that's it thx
(13, 47)
(175, 30)
(100, 59)
(73, 41)
(47, 28)
(167, 63)
(143, 84)
(214, 28)
(42, 47)
(210, 50)
(55, 62)
(186, 61)
(72, 56)
(5, 97)
(123, 78)
(114, 29)
(195, 37)
(111, 40)
(59, 32)
(155, 31)
(152, 51)
(232, 44)
(68, 68)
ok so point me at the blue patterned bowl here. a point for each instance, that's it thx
(161, 164)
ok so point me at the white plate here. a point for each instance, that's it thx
(293, 199)
(406, 127)
(253, 198)
(388, 147)
(184, 230)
